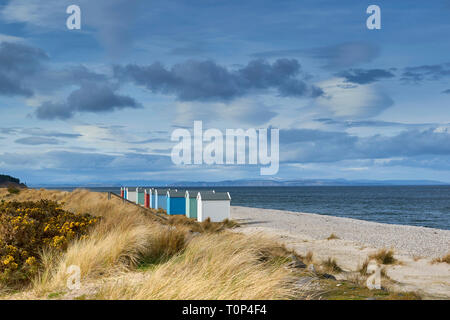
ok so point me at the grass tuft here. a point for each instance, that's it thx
(13, 190)
(363, 268)
(308, 258)
(333, 237)
(384, 256)
(331, 265)
(444, 259)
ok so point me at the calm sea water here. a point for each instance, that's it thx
(427, 206)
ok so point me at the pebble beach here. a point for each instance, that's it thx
(354, 241)
(412, 240)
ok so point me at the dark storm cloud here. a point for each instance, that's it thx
(39, 132)
(23, 72)
(307, 145)
(361, 76)
(206, 80)
(89, 98)
(426, 72)
(85, 162)
(33, 141)
(50, 79)
(372, 123)
(279, 53)
(343, 55)
(99, 98)
(8, 130)
(17, 62)
(190, 49)
(44, 133)
(49, 111)
(346, 54)
(434, 163)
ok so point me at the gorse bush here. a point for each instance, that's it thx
(28, 227)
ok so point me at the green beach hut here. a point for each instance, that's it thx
(191, 204)
(140, 196)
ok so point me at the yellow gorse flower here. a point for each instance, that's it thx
(28, 227)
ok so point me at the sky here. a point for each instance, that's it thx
(99, 104)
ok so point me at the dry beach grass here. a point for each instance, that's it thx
(178, 259)
(131, 254)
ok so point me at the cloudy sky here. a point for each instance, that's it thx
(99, 104)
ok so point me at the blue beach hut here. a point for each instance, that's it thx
(161, 198)
(176, 202)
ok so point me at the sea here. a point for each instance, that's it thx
(426, 206)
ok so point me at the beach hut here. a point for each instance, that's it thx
(215, 206)
(151, 197)
(140, 196)
(131, 195)
(161, 199)
(191, 202)
(147, 199)
(122, 192)
(176, 202)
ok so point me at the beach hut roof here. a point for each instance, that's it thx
(217, 196)
(194, 193)
(176, 194)
(161, 191)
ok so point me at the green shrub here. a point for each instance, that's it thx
(13, 190)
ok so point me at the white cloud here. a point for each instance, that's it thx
(37, 13)
(8, 38)
(243, 111)
(352, 101)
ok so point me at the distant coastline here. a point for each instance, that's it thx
(247, 183)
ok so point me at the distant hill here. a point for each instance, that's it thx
(274, 182)
(309, 182)
(8, 181)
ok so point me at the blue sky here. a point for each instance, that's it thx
(99, 104)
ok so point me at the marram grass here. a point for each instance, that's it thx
(130, 255)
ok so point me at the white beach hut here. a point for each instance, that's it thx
(215, 206)
(151, 196)
(131, 195)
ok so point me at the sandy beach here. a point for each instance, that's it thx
(414, 247)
